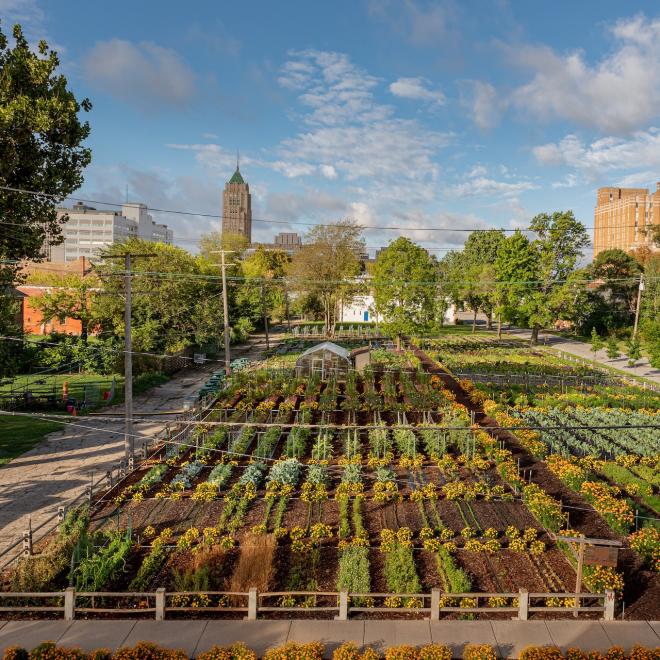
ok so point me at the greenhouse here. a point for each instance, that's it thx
(326, 359)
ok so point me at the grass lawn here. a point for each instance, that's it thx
(19, 434)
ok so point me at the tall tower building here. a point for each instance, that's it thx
(237, 206)
(623, 218)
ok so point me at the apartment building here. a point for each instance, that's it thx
(623, 218)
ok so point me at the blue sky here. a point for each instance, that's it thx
(450, 114)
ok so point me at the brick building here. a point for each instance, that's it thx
(32, 319)
(623, 217)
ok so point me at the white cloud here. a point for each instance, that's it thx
(417, 89)
(210, 136)
(293, 170)
(477, 170)
(328, 171)
(617, 94)
(605, 155)
(482, 100)
(569, 181)
(144, 74)
(481, 185)
(350, 129)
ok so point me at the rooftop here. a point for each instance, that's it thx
(236, 177)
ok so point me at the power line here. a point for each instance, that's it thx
(217, 216)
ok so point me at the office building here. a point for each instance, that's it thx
(88, 230)
(237, 207)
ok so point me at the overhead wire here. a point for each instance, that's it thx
(217, 216)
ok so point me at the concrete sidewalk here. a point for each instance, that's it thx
(581, 349)
(195, 637)
(60, 467)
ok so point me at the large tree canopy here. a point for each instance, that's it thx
(404, 280)
(41, 150)
(327, 266)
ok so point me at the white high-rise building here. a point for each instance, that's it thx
(88, 230)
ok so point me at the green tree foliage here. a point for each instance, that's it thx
(560, 239)
(262, 286)
(516, 265)
(327, 265)
(404, 293)
(618, 274)
(596, 342)
(173, 307)
(41, 139)
(72, 299)
(634, 349)
(612, 346)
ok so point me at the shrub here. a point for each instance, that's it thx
(293, 651)
(479, 652)
(403, 652)
(642, 653)
(236, 651)
(542, 653)
(435, 652)
(149, 651)
(350, 651)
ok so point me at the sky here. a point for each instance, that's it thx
(407, 114)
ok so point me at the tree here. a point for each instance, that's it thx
(41, 150)
(72, 299)
(516, 265)
(174, 305)
(634, 351)
(612, 348)
(560, 239)
(327, 266)
(596, 342)
(618, 274)
(404, 278)
(262, 286)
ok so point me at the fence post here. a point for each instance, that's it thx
(69, 604)
(252, 604)
(27, 542)
(610, 600)
(343, 607)
(523, 604)
(160, 604)
(435, 604)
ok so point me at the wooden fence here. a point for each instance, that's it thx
(251, 603)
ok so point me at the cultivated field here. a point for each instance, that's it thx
(396, 482)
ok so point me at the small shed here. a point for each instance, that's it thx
(326, 359)
(361, 357)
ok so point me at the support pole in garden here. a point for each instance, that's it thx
(225, 308)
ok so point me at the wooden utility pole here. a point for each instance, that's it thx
(129, 440)
(639, 304)
(593, 552)
(225, 308)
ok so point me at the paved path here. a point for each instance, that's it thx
(195, 637)
(583, 350)
(60, 467)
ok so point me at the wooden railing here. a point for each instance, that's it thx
(342, 603)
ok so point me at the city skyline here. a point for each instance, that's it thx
(407, 114)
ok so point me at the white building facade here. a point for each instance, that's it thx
(88, 230)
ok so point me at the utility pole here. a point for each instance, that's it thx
(129, 440)
(225, 308)
(286, 307)
(639, 304)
